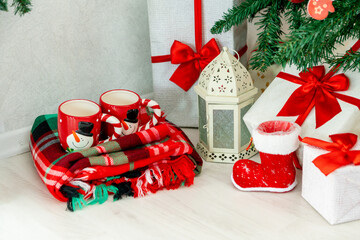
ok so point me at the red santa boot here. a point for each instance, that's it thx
(276, 142)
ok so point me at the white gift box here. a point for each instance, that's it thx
(276, 95)
(336, 196)
(171, 20)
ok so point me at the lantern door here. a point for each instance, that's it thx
(203, 122)
(223, 128)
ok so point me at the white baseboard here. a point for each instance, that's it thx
(14, 142)
(17, 141)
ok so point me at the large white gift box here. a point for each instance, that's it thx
(276, 95)
(171, 20)
(335, 196)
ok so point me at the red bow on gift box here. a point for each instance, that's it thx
(340, 153)
(191, 62)
(317, 90)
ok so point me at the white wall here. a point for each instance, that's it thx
(67, 49)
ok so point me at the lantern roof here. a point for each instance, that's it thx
(225, 76)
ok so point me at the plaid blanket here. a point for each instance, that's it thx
(134, 165)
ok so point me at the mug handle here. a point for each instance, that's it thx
(115, 123)
(156, 115)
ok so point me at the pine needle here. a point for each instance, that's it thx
(3, 5)
(309, 43)
(21, 6)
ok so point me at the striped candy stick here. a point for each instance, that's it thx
(156, 115)
(115, 123)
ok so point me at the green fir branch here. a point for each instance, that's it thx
(270, 35)
(310, 42)
(315, 41)
(21, 6)
(3, 5)
(351, 61)
(295, 14)
(236, 15)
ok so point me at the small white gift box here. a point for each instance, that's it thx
(335, 196)
(171, 20)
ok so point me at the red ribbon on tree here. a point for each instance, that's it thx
(191, 62)
(340, 152)
(317, 90)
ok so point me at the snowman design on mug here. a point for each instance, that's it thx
(131, 122)
(80, 120)
(81, 138)
(79, 124)
(125, 105)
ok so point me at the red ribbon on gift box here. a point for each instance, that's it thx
(340, 154)
(191, 62)
(317, 90)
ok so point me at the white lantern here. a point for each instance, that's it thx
(225, 93)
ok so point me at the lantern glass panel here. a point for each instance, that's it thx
(223, 129)
(245, 134)
(202, 120)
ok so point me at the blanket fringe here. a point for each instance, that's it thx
(124, 189)
(164, 175)
(157, 177)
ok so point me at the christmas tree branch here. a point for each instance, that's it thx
(310, 42)
(351, 61)
(316, 40)
(3, 5)
(269, 37)
(295, 14)
(235, 16)
(21, 6)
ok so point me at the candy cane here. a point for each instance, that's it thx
(115, 123)
(156, 115)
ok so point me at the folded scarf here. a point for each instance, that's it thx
(161, 157)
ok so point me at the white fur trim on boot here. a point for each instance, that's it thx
(276, 137)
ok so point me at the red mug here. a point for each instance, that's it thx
(79, 124)
(125, 105)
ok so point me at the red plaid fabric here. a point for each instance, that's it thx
(159, 148)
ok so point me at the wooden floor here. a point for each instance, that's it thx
(210, 209)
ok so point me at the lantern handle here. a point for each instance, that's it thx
(237, 54)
